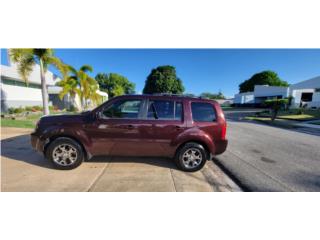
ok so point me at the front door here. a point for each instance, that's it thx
(117, 131)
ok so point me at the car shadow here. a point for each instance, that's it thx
(19, 149)
(155, 161)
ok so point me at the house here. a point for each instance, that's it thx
(305, 93)
(225, 102)
(16, 93)
(246, 98)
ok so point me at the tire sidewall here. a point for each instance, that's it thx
(64, 140)
(181, 151)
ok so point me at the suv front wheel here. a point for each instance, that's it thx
(191, 157)
(65, 153)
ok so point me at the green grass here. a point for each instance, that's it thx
(293, 114)
(297, 117)
(18, 123)
(258, 118)
(28, 121)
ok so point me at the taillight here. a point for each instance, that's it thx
(224, 131)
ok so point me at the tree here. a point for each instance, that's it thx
(275, 105)
(163, 79)
(79, 82)
(114, 84)
(26, 60)
(209, 95)
(263, 78)
(189, 95)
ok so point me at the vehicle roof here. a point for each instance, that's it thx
(167, 96)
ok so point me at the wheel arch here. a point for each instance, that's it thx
(201, 142)
(54, 137)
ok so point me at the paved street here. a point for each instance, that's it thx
(266, 158)
(25, 170)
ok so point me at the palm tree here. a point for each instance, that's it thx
(79, 82)
(27, 58)
(69, 85)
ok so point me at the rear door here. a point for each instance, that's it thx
(167, 121)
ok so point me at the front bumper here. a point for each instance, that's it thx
(221, 146)
(37, 143)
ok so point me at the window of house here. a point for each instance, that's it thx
(306, 97)
(203, 112)
(19, 83)
(123, 109)
(164, 110)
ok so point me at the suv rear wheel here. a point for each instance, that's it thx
(65, 153)
(191, 157)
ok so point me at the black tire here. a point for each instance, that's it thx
(70, 143)
(191, 146)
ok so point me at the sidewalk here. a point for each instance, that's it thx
(25, 170)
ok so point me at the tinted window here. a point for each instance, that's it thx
(203, 112)
(161, 109)
(123, 109)
(178, 113)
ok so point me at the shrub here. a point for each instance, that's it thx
(36, 109)
(72, 108)
(28, 108)
(275, 105)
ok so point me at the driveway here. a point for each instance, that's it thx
(266, 158)
(23, 169)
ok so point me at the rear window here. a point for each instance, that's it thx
(164, 110)
(203, 112)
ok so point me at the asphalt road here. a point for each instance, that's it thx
(266, 158)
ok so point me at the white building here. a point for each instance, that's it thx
(244, 98)
(306, 93)
(16, 93)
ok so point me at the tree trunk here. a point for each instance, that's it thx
(44, 91)
(274, 114)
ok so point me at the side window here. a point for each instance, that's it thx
(202, 112)
(178, 113)
(123, 109)
(164, 110)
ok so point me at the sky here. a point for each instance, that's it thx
(201, 70)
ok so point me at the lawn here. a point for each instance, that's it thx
(18, 123)
(293, 114)
(28, 121)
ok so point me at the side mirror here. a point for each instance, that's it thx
(99, 115)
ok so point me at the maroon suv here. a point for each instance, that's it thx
(187, 129)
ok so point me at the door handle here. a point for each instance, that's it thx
(178, 127)
(130, 127)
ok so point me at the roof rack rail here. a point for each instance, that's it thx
(167, 94)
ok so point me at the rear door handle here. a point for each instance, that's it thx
(130, 126)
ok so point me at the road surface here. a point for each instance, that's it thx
(266, 158)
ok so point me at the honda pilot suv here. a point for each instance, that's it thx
(189, 130)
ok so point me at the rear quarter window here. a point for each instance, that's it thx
(203, 112)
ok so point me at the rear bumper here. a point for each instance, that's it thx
(221, 146)
(36, 143)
